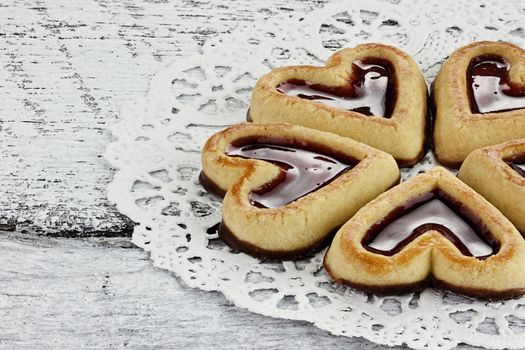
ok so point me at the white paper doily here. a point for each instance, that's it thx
(157, 152)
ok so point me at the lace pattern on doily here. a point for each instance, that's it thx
(157, 153)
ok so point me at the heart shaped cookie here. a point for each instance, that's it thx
(498, 174)
(430, 229)
(287, 188)
(372, 93)
(479, 98)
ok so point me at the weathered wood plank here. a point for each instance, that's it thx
(95, 294)
(66, 66)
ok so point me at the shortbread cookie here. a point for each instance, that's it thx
(372, 93)
(430, 229)
(479, 97)
(498, 174)
(288, 188)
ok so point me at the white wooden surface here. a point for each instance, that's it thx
(65, 66)
(102, 293)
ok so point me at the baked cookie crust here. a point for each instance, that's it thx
(430, 258)
(305, 224)
(457, 130)
(402, 135)
(487, 171)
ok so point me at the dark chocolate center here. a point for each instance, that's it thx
(490, 87)
(517, 163)
(518, 167)
(304, 169)
(432, 211)
(371, 89)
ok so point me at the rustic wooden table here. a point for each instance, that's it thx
(70, 276)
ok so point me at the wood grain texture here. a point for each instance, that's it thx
(102, 293)
(67, 66)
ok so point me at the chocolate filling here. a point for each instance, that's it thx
(371, 89)
(520, 168)
(210, 186)
(517, 163)
(228, 237)
(490, 88)
(489, 294)
(432, 211)
(304, 168)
